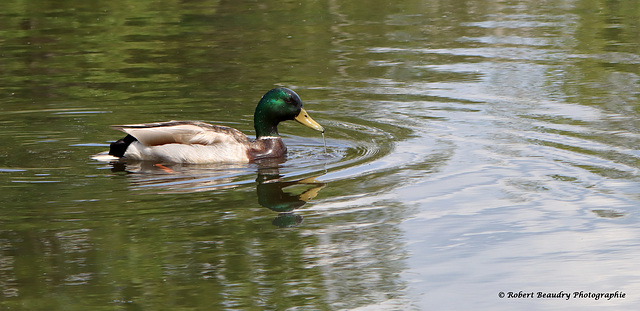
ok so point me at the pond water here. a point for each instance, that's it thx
(473, 148)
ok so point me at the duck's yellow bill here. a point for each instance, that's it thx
(304, 118)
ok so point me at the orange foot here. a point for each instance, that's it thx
(164, 168)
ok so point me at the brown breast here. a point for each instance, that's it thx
(267, 148)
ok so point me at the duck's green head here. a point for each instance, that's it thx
(277, 105)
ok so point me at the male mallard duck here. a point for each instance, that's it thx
(199, 142)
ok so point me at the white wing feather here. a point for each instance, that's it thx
(183, 132)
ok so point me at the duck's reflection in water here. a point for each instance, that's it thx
(274, 193)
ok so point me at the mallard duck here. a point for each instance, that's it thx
(199, 142)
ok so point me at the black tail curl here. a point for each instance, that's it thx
(118, 148)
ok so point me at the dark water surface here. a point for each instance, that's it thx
(473, 148)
